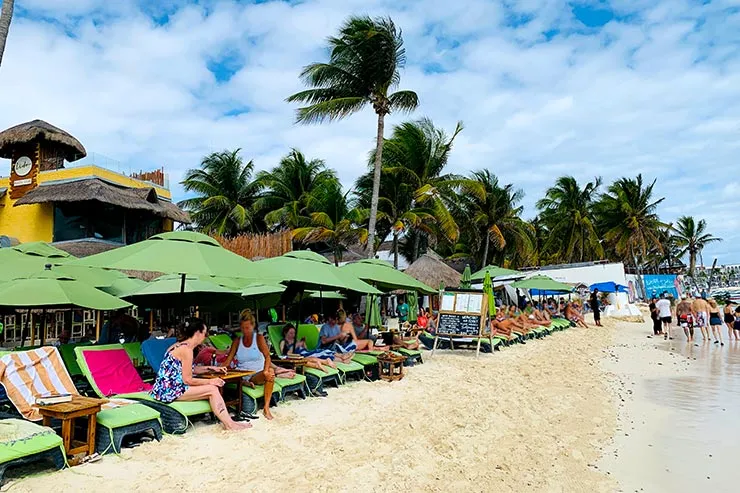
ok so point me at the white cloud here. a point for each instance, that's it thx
(658, 93)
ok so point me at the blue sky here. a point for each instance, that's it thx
(545, 88)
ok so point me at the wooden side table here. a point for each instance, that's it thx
(232, 376)
(67, 412)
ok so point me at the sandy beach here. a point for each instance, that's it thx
(531, 417)
(587, 410)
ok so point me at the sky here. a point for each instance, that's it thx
(544, 88)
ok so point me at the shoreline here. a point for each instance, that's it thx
(533, 417)
(676, 408)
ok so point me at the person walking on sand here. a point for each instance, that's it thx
(729, 321)
(664, 312)
(700, 310)
(685, 317)
(594, 304)
(715, 321)
(655, 317)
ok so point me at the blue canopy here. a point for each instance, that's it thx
(608, 287)
(546, 292)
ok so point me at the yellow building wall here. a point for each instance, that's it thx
(35, 222)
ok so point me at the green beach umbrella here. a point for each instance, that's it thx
(165, 292)
(326, 295)
(413, 302)
(488, 290)
(124, 285)
(465, 281)
(50, 289)
(177, 252)
(384, 276)
(26, 259)
(372, 312)
(495, 271)
(543, 283)
(311, 271)
(258, 295)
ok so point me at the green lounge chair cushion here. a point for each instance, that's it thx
(20, 438)
(287, 382)
(133, 349)
(365, 359)
(186, 408)
(321, 374)
(409, 352)
(259, 390)
(221, 342)
(350, 367)
(127, 415)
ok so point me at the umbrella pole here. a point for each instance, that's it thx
(321, 302)
(43, 326)
(33, 329)
(182, 283)
(97, 325)
(283, 313)
(151, 320)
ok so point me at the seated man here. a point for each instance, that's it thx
(348, 328)
(332, 337)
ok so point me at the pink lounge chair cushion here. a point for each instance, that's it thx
(113, 372)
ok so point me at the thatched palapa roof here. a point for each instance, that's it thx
(431, 270)
(95, 189)
(39, 129)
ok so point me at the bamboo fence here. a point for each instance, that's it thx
(254, 246)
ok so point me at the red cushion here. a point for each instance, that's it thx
(113, 372)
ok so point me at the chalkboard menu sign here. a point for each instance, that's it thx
(462, 314)
(459, 324)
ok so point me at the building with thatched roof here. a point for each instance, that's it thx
(44, 200)
(432, 271)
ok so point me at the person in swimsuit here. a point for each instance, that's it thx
(736, 323)
(314, 359)
(250, 353)
(685, 316)
(176, 381)
(594, 304)
(348, 328)
(700, 309)
(715, 321)
(729, 321)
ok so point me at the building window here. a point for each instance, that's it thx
(80, 220)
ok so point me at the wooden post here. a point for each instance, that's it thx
(151, 320)
(43, 327)
(283, 313)
(33, 328)
(97, 324)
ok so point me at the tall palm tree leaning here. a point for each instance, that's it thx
(6, 15)
(363, 68)
(226, 194)
(691, 237)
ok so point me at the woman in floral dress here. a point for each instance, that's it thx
(175, 380)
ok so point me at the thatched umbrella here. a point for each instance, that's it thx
(432, 271)
(40, 130)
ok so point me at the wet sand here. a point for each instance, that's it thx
(679, 421)
(532, 417)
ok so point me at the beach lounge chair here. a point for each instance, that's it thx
(315, 379)
(111, 373)
(26, 375)
(352, 369)
(23, 442)
(154, 350)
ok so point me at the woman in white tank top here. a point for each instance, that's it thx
(250, 353)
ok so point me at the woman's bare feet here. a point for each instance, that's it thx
(238, 425)
(331, 363)
(267, 413)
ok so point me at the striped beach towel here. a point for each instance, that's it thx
(30, 374)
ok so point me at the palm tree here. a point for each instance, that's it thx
(416, 155)
(691, 237)
(225, 194)
(495, 219)
(394, 204)
(363, 68)
(339, 225)
(292, 189)
(627, 219)
(567, 210)
(6, 15)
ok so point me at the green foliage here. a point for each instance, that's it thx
(224, 194)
